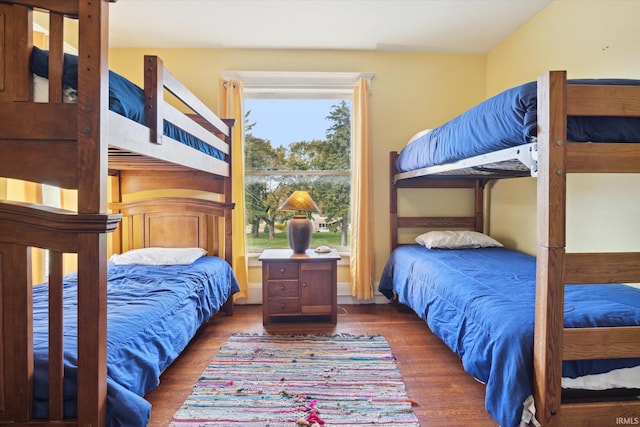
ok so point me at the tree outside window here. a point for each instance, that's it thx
(320, 166)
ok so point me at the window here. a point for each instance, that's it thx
(317, 162)
(297, 144)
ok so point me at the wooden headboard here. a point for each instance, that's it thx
(172, 222)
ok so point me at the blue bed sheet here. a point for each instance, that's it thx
(506, 120)
(481, 303)
(153, 312)
(125, 98)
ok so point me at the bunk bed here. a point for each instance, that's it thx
(539, 302)
(110, 160)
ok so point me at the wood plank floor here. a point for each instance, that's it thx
(445, 395)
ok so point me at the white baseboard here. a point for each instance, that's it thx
(254, 295)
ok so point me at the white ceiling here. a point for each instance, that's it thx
(456, 26)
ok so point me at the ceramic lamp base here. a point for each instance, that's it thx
(299, 231)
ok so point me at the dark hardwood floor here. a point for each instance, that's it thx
(445, 395)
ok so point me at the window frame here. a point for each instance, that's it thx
(297, 85)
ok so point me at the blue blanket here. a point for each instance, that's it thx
(125, 98)
(153, 312)
(481, 303)
(506, 120)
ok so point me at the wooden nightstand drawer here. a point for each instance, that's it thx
(282, 306)
(299, 285)
(282, 270)
(282, 288)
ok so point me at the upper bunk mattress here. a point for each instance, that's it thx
(506, 120)
(152, 314)
(481, 303)
(125, 98)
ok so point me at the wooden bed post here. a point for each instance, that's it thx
(228, 217)
(478, 196)
(228, 196)
(16, 312)
(92, 198)
(549, 318)
(153, 87)
(393, 200)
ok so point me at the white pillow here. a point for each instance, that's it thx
(41, 91)
(418, 135)
(456, 240)
(159, 256)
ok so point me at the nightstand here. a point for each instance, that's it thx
(299, 285)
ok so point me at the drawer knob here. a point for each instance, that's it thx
(283, 288)
(283, 305)
(304, 284)
(282, 271)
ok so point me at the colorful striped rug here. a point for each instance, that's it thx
(275, 380)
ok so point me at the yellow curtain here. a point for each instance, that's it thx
(230, 107)
(361, 196)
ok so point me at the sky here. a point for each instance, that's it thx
(283, 121)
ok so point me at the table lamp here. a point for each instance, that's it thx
(299, 228)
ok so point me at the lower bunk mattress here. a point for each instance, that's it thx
(481, 303)
(152, 314)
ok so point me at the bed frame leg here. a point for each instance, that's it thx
(228, 307)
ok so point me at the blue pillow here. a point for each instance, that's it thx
(40, 66)
(125, 97)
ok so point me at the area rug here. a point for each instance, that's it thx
(276, 380)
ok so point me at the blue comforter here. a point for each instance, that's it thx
(506, 120)
(125, 98)
(481, 303)
(153, 312)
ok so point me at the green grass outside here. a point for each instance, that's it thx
(281, 241)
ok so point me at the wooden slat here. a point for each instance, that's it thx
(39, 161)
(603, 157)
(189, 125)
(56, 348)
(479, 206)
(29, 120)
(17, 312)
(599, 414)
(393, 201)
(3, 29)
(153, 77)
(56, 57)
(603, 100)
(64, 7)
(134, 181)
(181, 92)
(47, 227)
(609, 267)
(18, 40)
(468, 222)
(436, 182)
(601, 343)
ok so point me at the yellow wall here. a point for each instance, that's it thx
(588, 39)
(410, 92)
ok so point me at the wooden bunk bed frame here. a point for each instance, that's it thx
(551, 158)
(77, 146)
